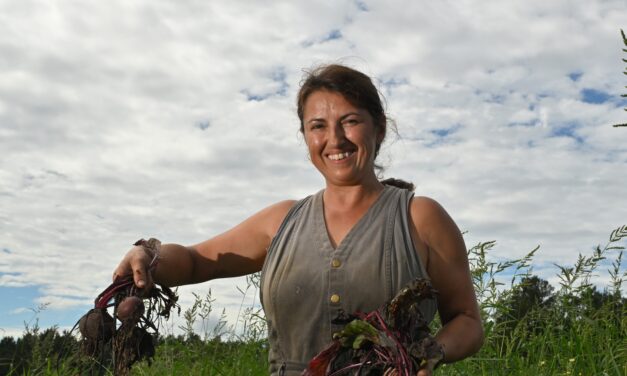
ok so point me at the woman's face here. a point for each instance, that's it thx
(341, 138)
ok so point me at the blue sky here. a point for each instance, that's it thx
(124, 120)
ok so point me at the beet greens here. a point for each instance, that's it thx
(395, 336)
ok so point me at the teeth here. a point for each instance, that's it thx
(337, 157)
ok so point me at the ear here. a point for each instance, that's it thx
(381, 134)
(379, 140)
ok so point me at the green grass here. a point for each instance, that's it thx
(531, 328)
(207, 358)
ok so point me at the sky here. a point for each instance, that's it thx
(177, 120)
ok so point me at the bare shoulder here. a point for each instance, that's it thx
(427, 213)
(422, 205)
(274, 215)
(434, 225)
(254, 233)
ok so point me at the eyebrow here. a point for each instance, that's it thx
(348, 115)
(341, 117)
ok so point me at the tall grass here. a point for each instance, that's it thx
(532, 328)
(240, 349)
(577, 330)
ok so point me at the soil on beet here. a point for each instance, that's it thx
(110, 344)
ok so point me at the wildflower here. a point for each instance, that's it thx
(571, 360)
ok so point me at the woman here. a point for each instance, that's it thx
(349, 247)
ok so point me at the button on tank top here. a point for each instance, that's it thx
(306, 283)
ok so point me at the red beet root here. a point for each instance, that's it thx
(96, 324)
(130, 308)
(108, 345)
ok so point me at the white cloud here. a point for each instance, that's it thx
(124, 120)
(12, 332)
(54, 302)
(20, 310)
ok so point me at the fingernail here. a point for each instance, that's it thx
(140, 283)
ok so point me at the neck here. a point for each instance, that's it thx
(352, 195)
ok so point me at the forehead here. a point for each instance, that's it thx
(323, 101)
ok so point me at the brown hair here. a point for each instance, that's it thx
(353, 85)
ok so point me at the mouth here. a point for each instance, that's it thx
(340, 156)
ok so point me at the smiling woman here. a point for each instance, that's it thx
(342, 139)
(351, 247)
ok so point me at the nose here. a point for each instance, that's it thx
(337, 135)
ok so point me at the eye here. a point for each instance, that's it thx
(314, 126)
(351, 121)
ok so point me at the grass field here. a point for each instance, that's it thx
(532, 328)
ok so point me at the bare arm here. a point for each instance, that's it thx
(462, 331)
(238, 251)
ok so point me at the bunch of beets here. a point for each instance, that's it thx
(128, 336)
(393, 337)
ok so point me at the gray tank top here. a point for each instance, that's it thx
(305, 282)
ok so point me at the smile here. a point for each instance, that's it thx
(340, 156)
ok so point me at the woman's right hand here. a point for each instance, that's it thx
(136, 262)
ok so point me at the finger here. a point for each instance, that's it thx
(135, 264)
(122, 270)
(424, 372)
(115, 276)
(141, 276)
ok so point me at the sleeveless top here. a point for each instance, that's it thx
(305, 282)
